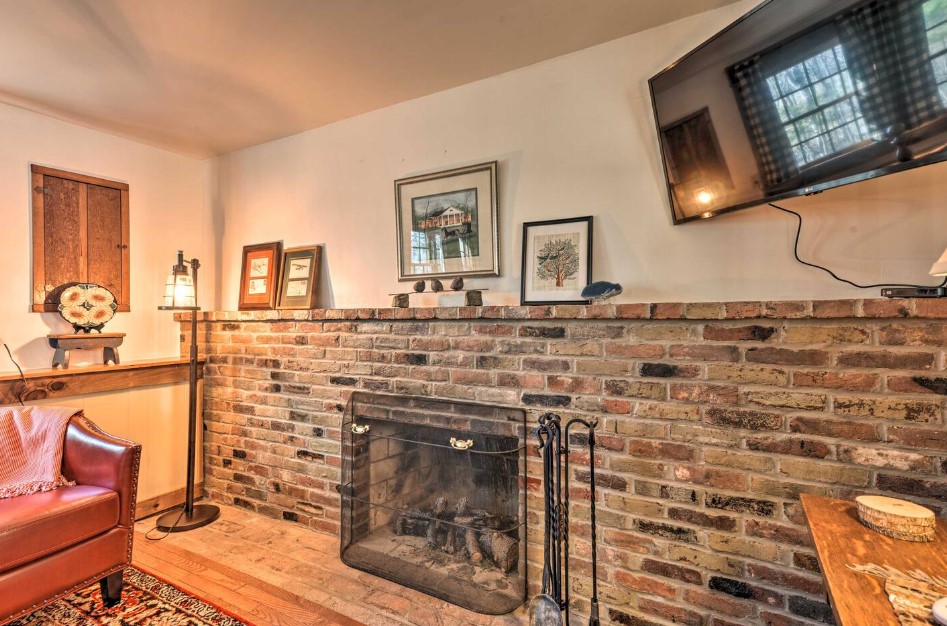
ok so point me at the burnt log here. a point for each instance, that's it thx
(436, 533)
(505, 551)
(461, 531)
(502, 550)
(414, 523)
(472, 544)
(462, 509)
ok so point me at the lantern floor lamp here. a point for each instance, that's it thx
(181, 295)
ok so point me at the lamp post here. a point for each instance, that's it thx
(181, 295)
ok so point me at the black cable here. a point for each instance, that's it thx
(19, 395)
(795, 251)
(168, 532)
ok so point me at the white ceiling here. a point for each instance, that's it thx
(206, 77)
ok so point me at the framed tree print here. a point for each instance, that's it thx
(258, 276)
(299, 277)
(557, 261)
(447, 223)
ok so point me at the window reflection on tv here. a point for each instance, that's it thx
(799, 96)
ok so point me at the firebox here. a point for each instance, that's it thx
(434, 497)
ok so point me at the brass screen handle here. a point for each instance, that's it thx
(461, 444)
(359, 429)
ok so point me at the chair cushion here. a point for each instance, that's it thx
(36, 525)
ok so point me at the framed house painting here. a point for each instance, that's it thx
(447, 223)
(299, 277)
(258, 276)
(557, 261)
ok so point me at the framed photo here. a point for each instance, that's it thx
(299, 277)
(259, 275)
(447, 223)
(557, 261)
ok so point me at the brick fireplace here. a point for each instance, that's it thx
(714, 418)
(433, 497)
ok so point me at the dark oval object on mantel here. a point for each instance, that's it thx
(419, 286)
(457, 284)
(436, 285)
(600, 290)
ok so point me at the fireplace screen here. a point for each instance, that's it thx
(434, 498)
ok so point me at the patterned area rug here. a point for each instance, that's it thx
(146, 601)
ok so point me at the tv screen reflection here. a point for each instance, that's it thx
(798, 97)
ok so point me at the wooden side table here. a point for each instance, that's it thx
(108, 342)
(841, 540)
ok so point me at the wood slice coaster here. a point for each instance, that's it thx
(895, 518)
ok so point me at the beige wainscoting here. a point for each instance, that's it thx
(149, 405)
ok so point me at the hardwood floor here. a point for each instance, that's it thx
(248, 598)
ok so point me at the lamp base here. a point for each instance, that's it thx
(177, 521)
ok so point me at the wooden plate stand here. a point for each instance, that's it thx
(108, 342)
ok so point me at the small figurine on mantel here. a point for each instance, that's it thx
(600, 291)
(472, 297)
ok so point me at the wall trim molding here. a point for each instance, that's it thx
(59, 383)
(164, 502)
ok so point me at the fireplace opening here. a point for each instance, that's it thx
(434, 498)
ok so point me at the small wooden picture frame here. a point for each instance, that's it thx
(258, 276)
(299, 278)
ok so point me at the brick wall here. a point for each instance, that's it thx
(714, 418)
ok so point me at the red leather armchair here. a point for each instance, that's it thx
(55, 542)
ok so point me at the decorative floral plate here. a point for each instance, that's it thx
(87, 306)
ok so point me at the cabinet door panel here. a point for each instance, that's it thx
(80, 234)
(63, 234)
(105, 239)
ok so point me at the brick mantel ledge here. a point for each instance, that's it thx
(933, 308)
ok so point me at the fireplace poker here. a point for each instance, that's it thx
(546, 608)
(593, 609)
(560, 529)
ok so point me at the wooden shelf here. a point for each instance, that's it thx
(841, 540)
(58, 383)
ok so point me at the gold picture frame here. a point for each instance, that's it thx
(299, 277)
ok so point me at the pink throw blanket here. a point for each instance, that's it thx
(31, 442)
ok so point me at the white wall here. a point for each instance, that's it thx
(155, 417)
(168, 210)
(574, 136)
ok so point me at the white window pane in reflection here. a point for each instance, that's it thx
(818, 105)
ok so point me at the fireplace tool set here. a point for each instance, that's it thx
(548, 608)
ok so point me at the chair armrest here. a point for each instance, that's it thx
(93, 457)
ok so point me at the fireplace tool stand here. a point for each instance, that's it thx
(548, 608)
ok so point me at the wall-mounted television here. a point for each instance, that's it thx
(799, 96)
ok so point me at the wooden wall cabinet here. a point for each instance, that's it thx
(80, 235)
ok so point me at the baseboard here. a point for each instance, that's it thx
(163, 502)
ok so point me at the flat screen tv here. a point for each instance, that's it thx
(799, 96)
